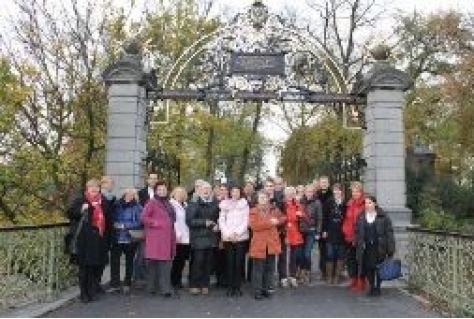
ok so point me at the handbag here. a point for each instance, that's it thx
(390, 269)
(71, 242)
(136, 234)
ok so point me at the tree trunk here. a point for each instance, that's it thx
(248, 147)
(210, 141)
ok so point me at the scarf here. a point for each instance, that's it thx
(98, 219)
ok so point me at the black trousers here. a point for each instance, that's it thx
(322, 256)
(117, 250)
(179, 261)
(201, 268)
(249, 268)
(370, 262)
(235, 259)
(159, 274)
(282, 259)
(296, 253)
(219, 266)
(247, 264)
(89, 280)
(262, 273)
(351, 261)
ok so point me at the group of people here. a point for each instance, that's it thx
(235, 233)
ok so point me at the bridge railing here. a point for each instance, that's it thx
(442, 266)
(33, 265)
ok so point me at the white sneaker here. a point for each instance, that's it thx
(284, 283)
(293, 282)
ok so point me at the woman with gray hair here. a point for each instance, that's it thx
(201, 218)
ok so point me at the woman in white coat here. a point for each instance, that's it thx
(178, 201)
(233, 224)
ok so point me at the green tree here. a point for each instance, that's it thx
(55, 140)
(309, 152)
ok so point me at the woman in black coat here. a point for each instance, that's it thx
(90, 212)
(375, 241)
(201, 218)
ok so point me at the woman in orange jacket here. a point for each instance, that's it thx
(265, 244)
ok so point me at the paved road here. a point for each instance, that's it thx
(316, 301)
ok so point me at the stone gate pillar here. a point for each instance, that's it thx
(384, 142)
(126, 132)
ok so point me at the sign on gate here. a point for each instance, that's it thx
(244, 63)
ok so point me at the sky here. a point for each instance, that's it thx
(230, 7)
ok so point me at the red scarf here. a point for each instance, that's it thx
(98, 219)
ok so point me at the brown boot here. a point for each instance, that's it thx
(329, 273)
(339, 268)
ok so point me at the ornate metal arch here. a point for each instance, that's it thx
(257, 57)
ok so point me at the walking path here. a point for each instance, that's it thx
(316, 301)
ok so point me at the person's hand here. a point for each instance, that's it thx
(119, 226)
(325, 235)
(215, 228)
(299, 214)
(316, 237)
(274, 221)
(210, 223)
(84, 207)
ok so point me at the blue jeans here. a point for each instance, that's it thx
(296, 260)
(335, 252)
(309, 240)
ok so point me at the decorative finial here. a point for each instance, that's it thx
(381, 52)
(258, 14)
(133, 46)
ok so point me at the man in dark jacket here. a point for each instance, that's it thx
(106, 188)
(149, 191)
(202, 217)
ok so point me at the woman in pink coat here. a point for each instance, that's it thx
(160, 240)
(234, 224)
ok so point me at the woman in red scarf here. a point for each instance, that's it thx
(90, 210)
(354, 207)
(294, 212)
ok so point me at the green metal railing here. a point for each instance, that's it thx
(442, 265)
(33, 265)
